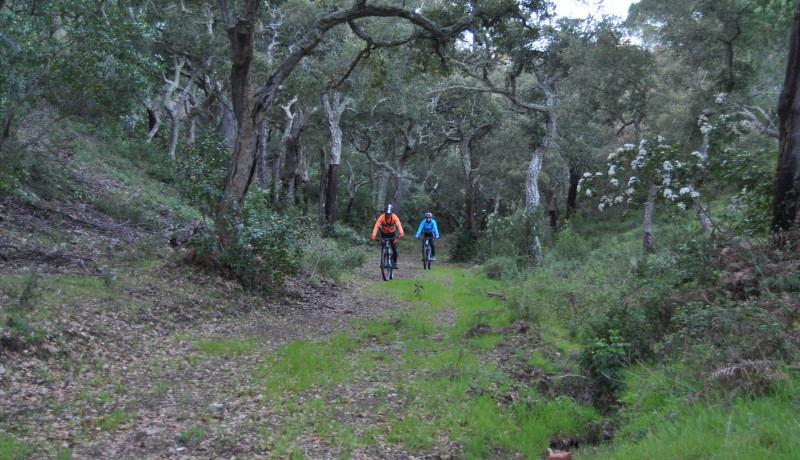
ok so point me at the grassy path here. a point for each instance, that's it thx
(430, 364)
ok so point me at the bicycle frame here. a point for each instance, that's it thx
(426, 252)
(387, 268)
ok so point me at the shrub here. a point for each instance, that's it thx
(349, 236)
(266, 245)
(502, 268)
(570, 245)
(205, 172)
(464, 245)
(604, 359)
(332, 264)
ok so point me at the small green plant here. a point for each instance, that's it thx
(30, 292)
(13, 448)
(604, 359)
(418, 287)
(193, 435)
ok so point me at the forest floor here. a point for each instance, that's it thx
(113, 347)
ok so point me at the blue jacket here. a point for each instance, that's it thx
(428, 228)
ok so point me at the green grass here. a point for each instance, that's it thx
(449, 392)
(302, 365)
(12, 448)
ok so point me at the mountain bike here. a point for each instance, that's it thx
(426, 253)
(387, 268)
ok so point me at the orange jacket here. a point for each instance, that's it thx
(387, 227)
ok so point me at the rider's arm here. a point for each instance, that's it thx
(420, 228)
(400, 228)
(435, 229)
(377, 226)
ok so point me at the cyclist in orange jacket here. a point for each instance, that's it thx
(386, 223)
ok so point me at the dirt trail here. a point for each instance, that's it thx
(122, 376)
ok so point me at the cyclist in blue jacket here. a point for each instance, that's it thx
(429, 229)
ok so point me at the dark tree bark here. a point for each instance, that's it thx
(572, 192)
(784, 210)
(153, 122)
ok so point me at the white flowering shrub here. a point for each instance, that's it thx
(634, 170)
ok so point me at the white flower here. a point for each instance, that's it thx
(660, 139)
(587, 174)
(618, 199)
(705, 129)
(744, 190)
(630, 191)
(615, 182)
(698, 155)
(628, 147)
(632, 180)
(598, 173)
(682, 205)
(668, 193)
(612, 170)
(667, 180)
(579, 186)
(612, 155)
(721, 98)
(588, 192)
(601, 206)
(685, 190)
(667, 166)
(694, 194)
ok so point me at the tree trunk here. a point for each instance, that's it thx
(153, 122)
(261, 159)
(334, 108)
(323, 186)
(572, 193)
(552, 210)
(240, 176)
(786, 187)
(648, 239)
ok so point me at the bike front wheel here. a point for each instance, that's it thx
(426, 258)
(386, 265)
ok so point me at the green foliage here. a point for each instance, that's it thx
(30, 292)
(65, 58)
(463, 245)
(604, 359)
(205, 172)
(349, 235)
(502, 268)
(266, 245)
(503, 238)
(570, 245)
(335, 263)
(697, 259)
(747, 174)
(724, 331)
(666, 421)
